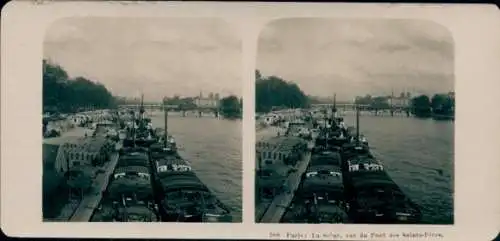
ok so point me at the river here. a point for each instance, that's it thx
(213, 147)
(419, 156)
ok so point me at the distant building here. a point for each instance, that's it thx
(211, 102)
(399, 101)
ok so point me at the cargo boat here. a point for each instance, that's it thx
(372, 195)
(129, 196)
(153, 183)
(181, 195)
(320, 196)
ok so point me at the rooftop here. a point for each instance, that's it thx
(279, 143)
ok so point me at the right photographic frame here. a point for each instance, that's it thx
(354, 122)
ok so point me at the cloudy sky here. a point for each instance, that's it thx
(358, 57)
(159, 57)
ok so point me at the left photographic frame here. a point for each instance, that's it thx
(142, 120)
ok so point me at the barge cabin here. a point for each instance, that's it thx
(129, 196)
(320, 197)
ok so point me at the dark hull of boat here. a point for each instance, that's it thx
(400, 211)
(169, 215)
(302, 209)
(138, 142)
(385, 214)
(109, 197)
(156, 151)
(174, 217)
(300, 212)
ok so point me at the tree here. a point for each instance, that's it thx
(273, 91)
(186, 103)
(421, 106)
(442, 104)
(366, 100)
(54, 80)
(380, 102)
(62, 94)
(230, 107)
(258, 76)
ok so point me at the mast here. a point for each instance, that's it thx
(165, 110)
(357, 125)
(133, 127)
(392, 97)
(334, 104)
(141, 110)
(334, 109)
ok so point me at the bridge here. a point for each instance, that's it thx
(344, 106)
(199, 110)
(394, 109)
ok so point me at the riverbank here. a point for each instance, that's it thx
(91, 200)
(58, 203)
(275, 209)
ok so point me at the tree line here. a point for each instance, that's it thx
(230, 106)
(275, 92)
(439, 105)
(64, 94)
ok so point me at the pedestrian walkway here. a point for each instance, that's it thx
(261, 208)
(91, 201)
(66, 212)
(283, 200)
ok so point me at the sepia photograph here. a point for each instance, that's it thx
(310, 121)
(142, 120)
(354, 122)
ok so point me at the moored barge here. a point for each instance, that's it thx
(362, 187)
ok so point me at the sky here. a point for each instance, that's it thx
(358, 57)
(157, 56)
